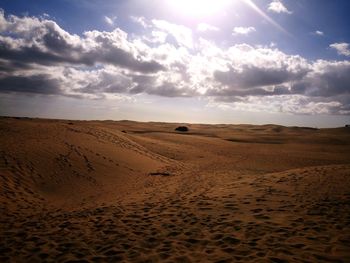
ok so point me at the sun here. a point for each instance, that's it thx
(198, 8)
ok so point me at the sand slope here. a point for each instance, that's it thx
(141, 192)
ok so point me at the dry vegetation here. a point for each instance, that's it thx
(104, 191)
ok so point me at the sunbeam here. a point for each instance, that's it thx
(265, 16)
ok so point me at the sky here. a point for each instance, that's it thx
(191, 61)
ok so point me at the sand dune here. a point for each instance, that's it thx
(105, 191)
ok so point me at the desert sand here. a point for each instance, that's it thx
(107, 191)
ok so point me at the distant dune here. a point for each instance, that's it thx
(124, 191)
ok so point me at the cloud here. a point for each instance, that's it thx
(268, 73)
(181, 34)
(140, 20)
(251, 77)
(110, 20)
(46, 15)
(258, 71)
(318, 33)
(277, 6)
(291, 104)
(341, 48)
(42, 41)
(243, 30)
(328, 79)
(37, 56)
(206, 27)
(264, 71)
(40, 84)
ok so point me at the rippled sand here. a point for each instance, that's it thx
(104, 191)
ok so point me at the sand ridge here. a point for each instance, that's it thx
(104, 191)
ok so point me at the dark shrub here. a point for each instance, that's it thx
(182, 129)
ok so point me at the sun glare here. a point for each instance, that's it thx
(198, 7)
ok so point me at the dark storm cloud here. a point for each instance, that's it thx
(108, 83)
(324, 79)
(168, 89)
(143, 83)
(119, 57)
(230, 93)
(11, 66)
(252, 76)
(327, 80)
(332, 80)
(31, 55)
(40, 84)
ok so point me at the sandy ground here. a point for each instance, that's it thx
(84, 191)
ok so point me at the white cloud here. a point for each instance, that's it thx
(38, 56)
(243, 30)
(206, 27)
(319, 33)
(157, 37)
(46, 15)
(110, 20)
(341, 48)
(140, 20)
(182, 34)
(277, 6)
